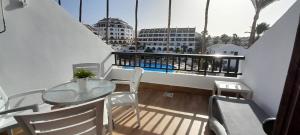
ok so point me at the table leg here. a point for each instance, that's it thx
(219, 92)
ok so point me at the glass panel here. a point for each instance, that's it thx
(2, 23)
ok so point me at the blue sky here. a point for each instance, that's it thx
(225, 16)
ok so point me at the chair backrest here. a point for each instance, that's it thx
(135, 79)
(93, 67)
(3, 100)
(85, 119)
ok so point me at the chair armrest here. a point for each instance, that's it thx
(121, 93)
(26, 93)
(216, 127)
(34, 108)
(121, 82)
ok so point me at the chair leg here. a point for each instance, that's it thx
(110, 120)
(10, 131)
(137, 111)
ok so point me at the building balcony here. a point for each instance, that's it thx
(175, 89)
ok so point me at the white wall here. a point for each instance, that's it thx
(174, 79)
(40, 45)
(220, 48)
(267, 61)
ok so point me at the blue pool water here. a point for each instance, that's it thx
(152, 68)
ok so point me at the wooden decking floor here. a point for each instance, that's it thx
(182, 114)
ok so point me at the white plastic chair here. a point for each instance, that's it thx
(16, 104)
(83, 119)
(93, 67)
(129, 98)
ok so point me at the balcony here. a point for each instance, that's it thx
(175, 89)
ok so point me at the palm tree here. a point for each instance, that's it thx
(225, 38)
(236, 40)
(260, 28)
(136, 24)
(169, 24)
(203, 50)
(258, 5)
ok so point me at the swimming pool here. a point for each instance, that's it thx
(152, 68)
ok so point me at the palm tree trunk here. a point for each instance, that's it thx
(80, 10)
(107, 20)
(253, 28)
(203, 50)
(136, 24)
(169, 24)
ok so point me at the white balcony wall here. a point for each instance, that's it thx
(267, 61)
(40, 45)
(174, 79)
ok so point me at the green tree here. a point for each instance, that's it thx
(236, 40)
(149, 50)
(261, 28)
(258, 6)
(177, 50)
(225, 38)
(184, 48)
(216, 40)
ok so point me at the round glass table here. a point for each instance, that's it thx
(70, 93)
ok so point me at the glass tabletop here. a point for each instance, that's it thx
(70, 93)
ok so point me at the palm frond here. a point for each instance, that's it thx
(254, 2)
(265, 3)
(260, 4)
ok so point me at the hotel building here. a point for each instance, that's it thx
(181, 39)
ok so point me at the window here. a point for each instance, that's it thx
(122, 29)
(111, 29)
(224, 52)
(191, 39)
(178, 44)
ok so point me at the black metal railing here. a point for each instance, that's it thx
(218, 65)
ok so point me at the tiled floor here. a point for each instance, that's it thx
(181, 114)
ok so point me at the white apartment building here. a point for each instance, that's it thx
(227, 49)
(119, 31)
(181, 39)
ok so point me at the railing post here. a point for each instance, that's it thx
(115, 59)
(205, 66)
(228, 65)
(237, 66)
(167, 64)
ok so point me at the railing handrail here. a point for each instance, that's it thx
(189, 55)
(227, 65)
